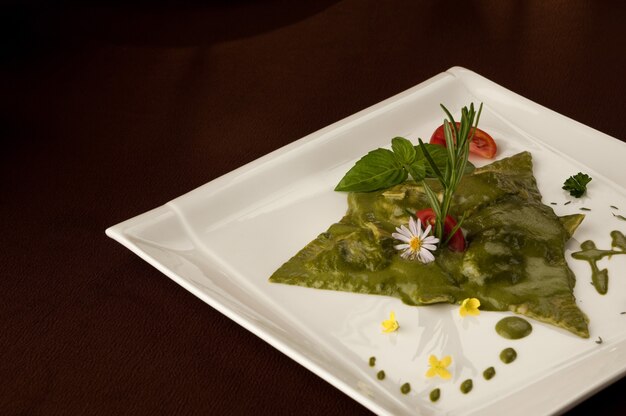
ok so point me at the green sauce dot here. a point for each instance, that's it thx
(513, 327)
(508, 355)
(380, 375)
(489, 373)
(405, 388)
(372, 361)
(434, 395)
(467, 386)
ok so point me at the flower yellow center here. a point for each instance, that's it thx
(415, 244)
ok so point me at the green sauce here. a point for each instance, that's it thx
(489, 373)
(467, 386)
(514, 259)
(508, 355)
(405, 388)
(372, 361)
(513, 327)
(380, 375)
(435, 395)
(591, 254)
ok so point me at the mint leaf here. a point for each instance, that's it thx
(577, 184)
(376, 170)
(404, 150)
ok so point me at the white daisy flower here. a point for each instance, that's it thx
(415, 243)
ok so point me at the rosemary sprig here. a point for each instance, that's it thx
(458, 153)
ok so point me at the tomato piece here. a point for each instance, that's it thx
(482, 144)
(457, 241)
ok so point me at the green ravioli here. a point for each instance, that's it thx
(514, 259)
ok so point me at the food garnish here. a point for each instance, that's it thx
(469, 306)
(416, 243)
(482, 144)
(439, 367)
(383, 168)
(390, 325)
(452, 233)
(577, 184)
(457, 145)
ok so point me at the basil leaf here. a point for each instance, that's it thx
(406, 154)
(439, 154)
(377, 169)
(404, 150)
(417, 169)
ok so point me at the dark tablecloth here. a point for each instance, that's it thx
(109, 111)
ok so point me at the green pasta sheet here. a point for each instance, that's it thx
(514, 260)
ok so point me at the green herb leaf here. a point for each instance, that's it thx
(577, 184)
(455, 228)
(439, 155)
(376, 170)
(432, 198)
(406, 155)
(417, 170)
(434, 167)
(403, 149)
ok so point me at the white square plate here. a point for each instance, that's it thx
(224, 239)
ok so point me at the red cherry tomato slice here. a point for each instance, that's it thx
(457, 242)
(482, 144)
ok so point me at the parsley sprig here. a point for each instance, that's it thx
(456, 162)
(577, 184)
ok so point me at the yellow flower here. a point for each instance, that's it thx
(390, 325)
(438, 368)
(469, 307)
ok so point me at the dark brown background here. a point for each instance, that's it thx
(109, 111)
